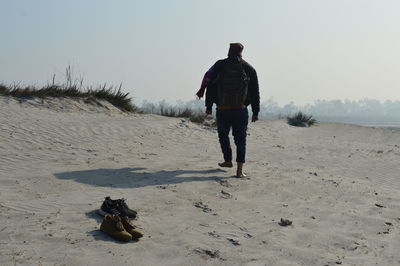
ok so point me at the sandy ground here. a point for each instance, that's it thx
(59, 158)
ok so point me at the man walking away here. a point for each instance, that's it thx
(232, 85)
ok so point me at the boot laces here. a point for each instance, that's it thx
(118, 223)
(122, 203)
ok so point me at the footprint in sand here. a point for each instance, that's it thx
(225, 195)
(247, 235)
(215, 254)
(202, 206)
(389, 226)
(214, 234)
(224, 183)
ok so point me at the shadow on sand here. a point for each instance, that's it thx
(137, 177)
(99, 235)
(95, 216)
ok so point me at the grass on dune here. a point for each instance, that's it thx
(111, 94)
(301, 120)
(114, 95)
(74, 89)
(193, 116)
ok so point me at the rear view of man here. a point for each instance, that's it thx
(232, 85)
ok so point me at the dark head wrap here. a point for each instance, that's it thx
(235, 49)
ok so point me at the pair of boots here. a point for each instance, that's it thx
(120, 228)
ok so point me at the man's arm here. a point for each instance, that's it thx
(254, 94)
(204, 83)
(210, 82)
(211, 96)
(209, 77)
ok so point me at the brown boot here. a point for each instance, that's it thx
(239, 171)
(226, 164)
(130, 228)
(112, 225)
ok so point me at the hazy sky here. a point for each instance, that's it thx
(303, 50)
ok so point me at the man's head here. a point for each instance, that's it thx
(235, 49)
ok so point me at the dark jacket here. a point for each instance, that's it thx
(253, 95)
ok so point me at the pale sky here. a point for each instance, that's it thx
(303, 50)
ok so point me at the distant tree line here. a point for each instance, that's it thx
(361, 111)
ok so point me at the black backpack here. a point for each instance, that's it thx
(232, 84)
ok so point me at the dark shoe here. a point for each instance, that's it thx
(109, 207)
(226, 164)
(130, 228)
(116, 207)
(113, 226)
(124, 209)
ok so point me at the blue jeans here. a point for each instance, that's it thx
(236, 119)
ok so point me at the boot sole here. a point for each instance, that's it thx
(226, 166)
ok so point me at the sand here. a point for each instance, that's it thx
(59, 158)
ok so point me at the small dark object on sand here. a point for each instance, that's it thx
(234, 242)
(210, 253)
(285, 222)
(379, 205)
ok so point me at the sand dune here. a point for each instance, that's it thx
(59, 158)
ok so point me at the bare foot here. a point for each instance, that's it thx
(226, 164)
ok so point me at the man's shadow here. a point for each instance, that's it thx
(138, 177)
